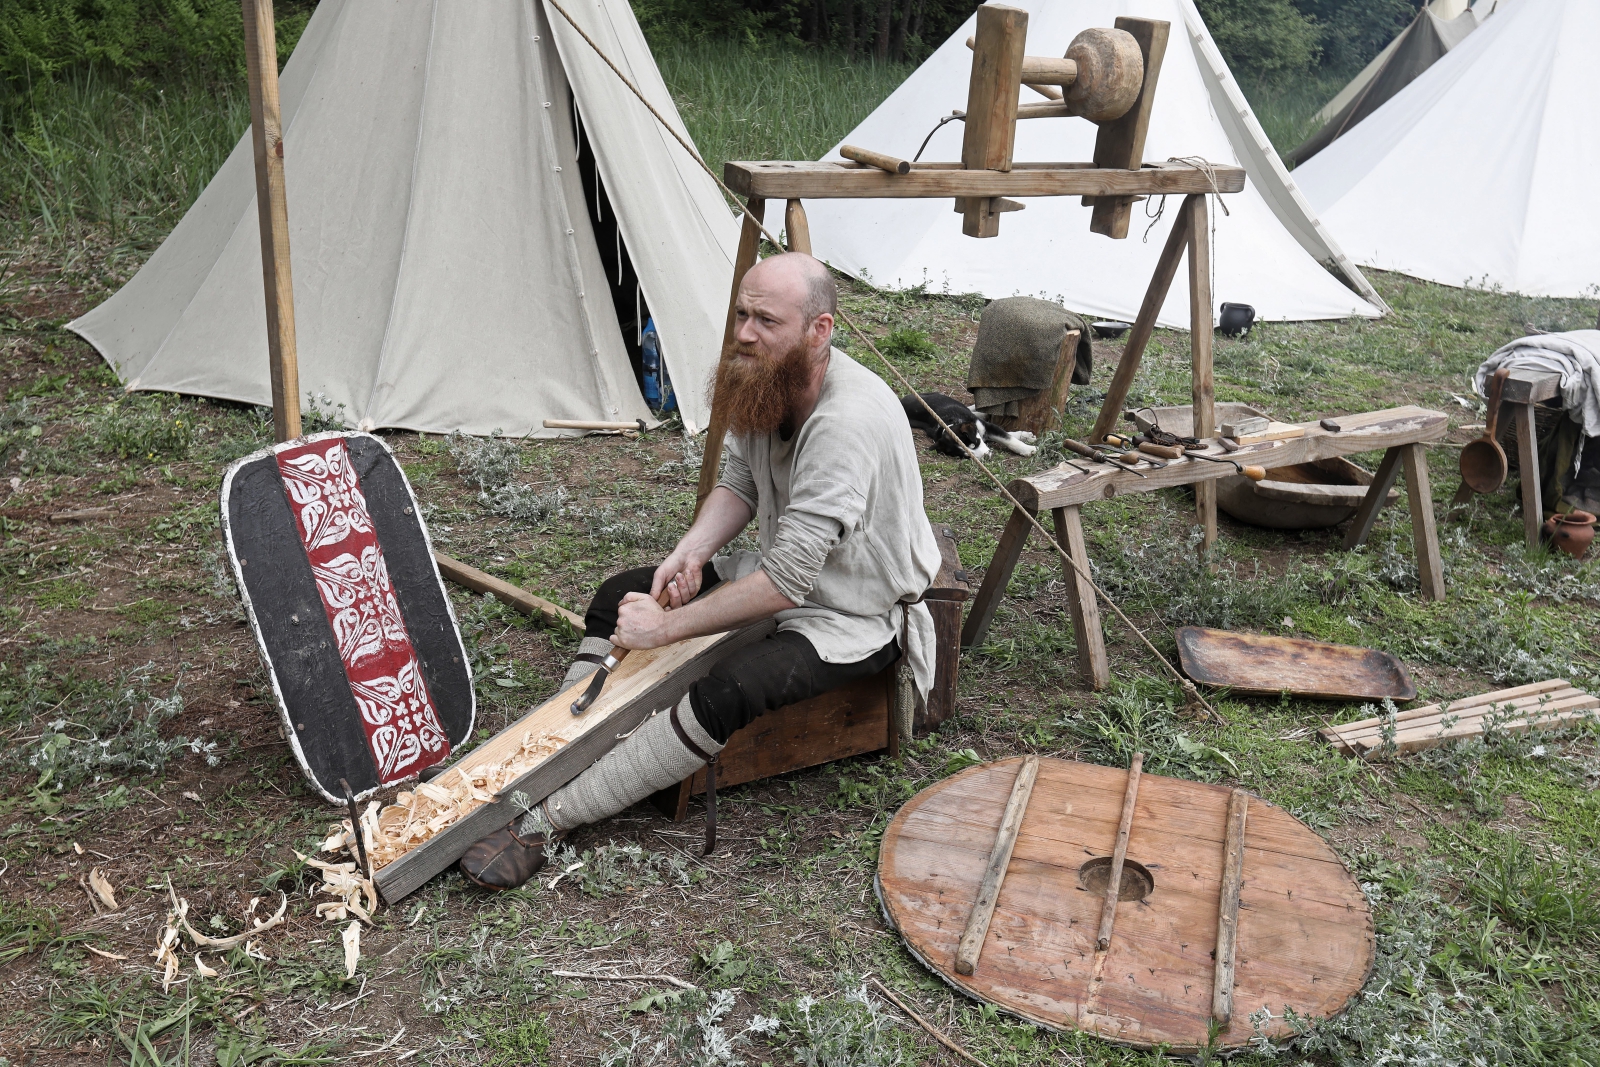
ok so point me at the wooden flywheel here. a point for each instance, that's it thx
(997, 879)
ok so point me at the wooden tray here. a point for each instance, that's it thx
(1305, 935)
(1261, 663)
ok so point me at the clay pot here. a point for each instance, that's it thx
(1571, 533)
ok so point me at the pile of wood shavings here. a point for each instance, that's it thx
(416, 816)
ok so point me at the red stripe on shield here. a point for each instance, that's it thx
(399, 718)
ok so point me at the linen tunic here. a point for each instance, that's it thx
(842, 531)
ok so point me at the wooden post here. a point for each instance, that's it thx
(749, 247)
(1419, 494)
(994, 876)
(991, 124)
(1204, 391)
(266, 134)
(1528, 474)
(796, 228)
(1121, 143)
(1144, 325)
(1085, 610)
(996, 578)
(1228, 909)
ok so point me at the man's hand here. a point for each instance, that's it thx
(642, 623)
(680, 575)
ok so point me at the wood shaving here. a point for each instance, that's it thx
(165, 953)
(180, 917)
(392, 831)
(352, 949)
(104, 954)
(102, 889)
(200, 965)
(356, 895)
(253, 950)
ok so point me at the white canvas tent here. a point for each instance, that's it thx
(1481, 172)
(1270, 250)
(447, 273)
(1438, 27)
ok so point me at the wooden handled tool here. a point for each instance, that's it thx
(1164, 451)
(1254, 473)
(637, 425)
(1099, 77)
(891, 164)
(609, 664)
(1101, 455)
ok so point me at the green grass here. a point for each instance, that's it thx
(772, 103)
(1286, 109)
(1481, 859)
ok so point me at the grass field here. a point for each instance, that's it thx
(139, 735)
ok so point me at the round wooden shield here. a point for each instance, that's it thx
(1304, 935)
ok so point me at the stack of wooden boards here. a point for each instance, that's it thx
(1514, 710)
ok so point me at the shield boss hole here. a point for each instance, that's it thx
(1137, 881)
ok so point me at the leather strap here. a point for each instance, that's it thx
(711, 779)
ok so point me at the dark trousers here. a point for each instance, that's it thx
(774, 672)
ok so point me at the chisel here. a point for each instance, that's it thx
(609, 664)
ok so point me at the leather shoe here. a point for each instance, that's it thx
(505, 860)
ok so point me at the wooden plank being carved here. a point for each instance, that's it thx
(534, 756)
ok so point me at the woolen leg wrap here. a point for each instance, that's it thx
(582, 668)
(650, 758)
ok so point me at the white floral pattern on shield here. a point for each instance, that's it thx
(400, 721)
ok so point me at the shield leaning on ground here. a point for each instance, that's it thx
(338, 579)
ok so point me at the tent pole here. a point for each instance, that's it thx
(266, 134)
(749, 247)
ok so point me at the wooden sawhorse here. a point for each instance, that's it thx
(1403, 432)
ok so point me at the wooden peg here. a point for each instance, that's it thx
(891, 164)
(796, 228)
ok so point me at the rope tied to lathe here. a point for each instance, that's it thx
(1185, 684)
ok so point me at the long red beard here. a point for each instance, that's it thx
(759, 392)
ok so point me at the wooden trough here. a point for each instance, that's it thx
(1225, 904)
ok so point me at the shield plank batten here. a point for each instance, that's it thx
(336, 570)
(1304, 934)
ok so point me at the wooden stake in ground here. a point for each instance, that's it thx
(266, 134)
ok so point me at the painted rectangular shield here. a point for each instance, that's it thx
(337, 573)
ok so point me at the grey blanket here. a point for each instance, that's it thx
(1019, 338)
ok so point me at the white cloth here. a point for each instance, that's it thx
(842, 529)
(1575, 355)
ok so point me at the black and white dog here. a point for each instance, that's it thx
(968, 424)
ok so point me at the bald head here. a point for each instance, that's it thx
(798, 280)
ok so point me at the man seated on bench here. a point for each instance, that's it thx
(820, 454)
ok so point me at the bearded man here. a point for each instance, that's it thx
(820, 454)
